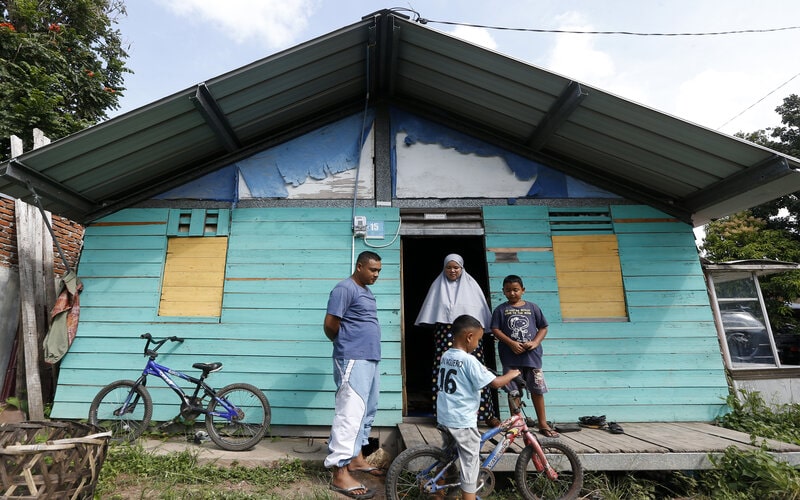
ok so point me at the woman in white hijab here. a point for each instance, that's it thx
(453, 293)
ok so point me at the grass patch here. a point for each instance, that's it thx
(130, 471)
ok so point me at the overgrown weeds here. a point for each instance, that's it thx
(750, 414)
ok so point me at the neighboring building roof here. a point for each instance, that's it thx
(691, 172)
(739, 269)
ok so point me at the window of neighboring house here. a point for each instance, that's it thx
(748, 339)
(588, 270)
(194, 273)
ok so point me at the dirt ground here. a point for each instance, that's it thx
(312, 487)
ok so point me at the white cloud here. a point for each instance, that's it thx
(712, 98)
(273, 23)
(574, 56)
(478, 36)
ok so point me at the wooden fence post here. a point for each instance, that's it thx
(37, 289)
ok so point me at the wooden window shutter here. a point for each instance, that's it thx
(194, 273)
(587, 264)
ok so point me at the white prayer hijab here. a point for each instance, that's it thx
(447, 300)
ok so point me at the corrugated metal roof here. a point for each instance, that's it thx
(637, 152)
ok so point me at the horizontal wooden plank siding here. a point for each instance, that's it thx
(280, 267)
(662, 363)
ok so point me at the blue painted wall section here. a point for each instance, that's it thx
(546, 182)
(329, 150)
(663, 364)
(281, 265)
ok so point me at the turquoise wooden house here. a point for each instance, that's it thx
(225, 213)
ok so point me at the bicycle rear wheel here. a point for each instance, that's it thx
(104, 411)
(414, 467)
(535, 485)
(249, 425)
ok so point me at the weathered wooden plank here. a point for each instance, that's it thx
(680, 439)
(121, 270)
(516, 212)
(432, 435)
(665, 283)
(37, 295)
(152, 228)
(669, 268)
(157, 242)
(411, 435)
(741, 437)
(513, 226)
(656, 255)
(131, 215)
(680, 239)
(671, 298)
(637, 212)
(634, 345)
(651, 227)
(689, 313)
(602, 441)
(586, 361)
(518, 240)
(118, 255)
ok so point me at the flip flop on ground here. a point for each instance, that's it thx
(548, 432)
(615, 428)
(372, 471)
(351, 492)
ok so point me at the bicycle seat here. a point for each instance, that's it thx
(208, 367)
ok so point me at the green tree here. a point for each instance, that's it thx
(768, 231)
(61, 66)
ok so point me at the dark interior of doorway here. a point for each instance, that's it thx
(423, 260)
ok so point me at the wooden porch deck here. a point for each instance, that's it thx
(643, 446)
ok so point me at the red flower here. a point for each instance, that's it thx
(54, 27)
(8, 26)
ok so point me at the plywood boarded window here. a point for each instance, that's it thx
(589, 277)
(194, 273)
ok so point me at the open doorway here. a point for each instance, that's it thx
(422, 261)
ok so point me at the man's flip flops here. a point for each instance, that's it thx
(372, 471)
(351, 492)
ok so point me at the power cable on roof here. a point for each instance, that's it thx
(633, 33)
(758, 101)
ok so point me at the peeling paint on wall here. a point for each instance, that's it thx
(412, 152)
(322, 164)
(278, 171)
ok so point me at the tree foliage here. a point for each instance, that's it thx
(768, 231)
(62, 65)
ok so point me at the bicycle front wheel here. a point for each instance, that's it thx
(106, 410)
(535, 485)
(250, 423)
(414, 468)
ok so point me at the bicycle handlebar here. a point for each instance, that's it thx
(157, 343)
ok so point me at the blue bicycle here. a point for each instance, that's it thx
(236, 416)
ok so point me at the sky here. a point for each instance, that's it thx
(728, 83)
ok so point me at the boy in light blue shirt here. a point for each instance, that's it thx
(460, 380)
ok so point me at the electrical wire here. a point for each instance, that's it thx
(422, 20)
(758, 101)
